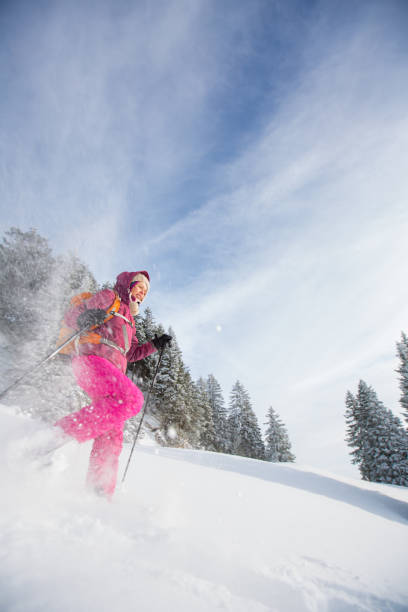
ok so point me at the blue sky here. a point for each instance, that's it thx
(252, 156)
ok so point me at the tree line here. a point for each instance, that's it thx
(193, 413)
(36, 290)
(376, 436)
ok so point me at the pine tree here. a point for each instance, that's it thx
(26, 263)
(149, 325)
(402, 352)
(205, 424)
(191, 414)
(234, 418)
(278, 446)
(252, 444)
(354, 432)
(142, 372)
(244, 432)
(75, 275)
(173, 398)
(42, 288)
(379, 442)
(169, 393)
(219, 414)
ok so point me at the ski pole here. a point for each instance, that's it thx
(143, 412)
(50, 356)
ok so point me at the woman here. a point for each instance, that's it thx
(100, 369)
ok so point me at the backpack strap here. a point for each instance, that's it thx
(113, 309)
(112, 345)
(117, 314)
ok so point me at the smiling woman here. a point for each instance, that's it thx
(100, 370)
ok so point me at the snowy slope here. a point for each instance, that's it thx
(195, 531)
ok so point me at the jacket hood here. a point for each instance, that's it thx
(123, 281)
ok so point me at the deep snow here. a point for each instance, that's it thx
(194, 531)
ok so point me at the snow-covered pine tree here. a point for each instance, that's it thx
(278, 447)
(169, 393)
(76, 276)
(402, 352)
(191, 415)
(141, 372)
(354, 431)
(244, 432)
(234, 418)
(173, 399)
(43, 288)
(149, 324)
(206, 429)
(26, 263)
(378, 438)
(252, 444)
(219, 414)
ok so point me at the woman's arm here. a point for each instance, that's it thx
(139, 351)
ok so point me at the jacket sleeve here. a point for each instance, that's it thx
(102, 299)
(139, 351)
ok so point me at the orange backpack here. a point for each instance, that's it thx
(91, 336)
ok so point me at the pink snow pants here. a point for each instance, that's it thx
(114, 400)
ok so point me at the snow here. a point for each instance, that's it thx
(194, 531)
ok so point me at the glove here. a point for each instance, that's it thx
(161, 341)
(93, 316)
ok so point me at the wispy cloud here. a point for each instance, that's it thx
(299, 288)
(105, 111)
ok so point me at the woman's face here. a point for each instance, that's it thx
(137, 293)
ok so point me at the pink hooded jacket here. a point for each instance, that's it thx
(117, 330)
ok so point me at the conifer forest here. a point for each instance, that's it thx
(36, 290)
